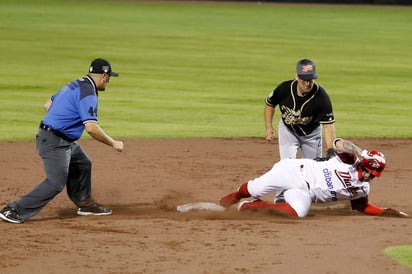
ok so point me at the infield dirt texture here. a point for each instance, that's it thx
(146, 234)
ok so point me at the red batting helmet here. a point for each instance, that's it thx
(375, 164)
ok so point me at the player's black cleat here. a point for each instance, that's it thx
(11, 215)
(93, 209)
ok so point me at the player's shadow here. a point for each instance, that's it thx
(159, 210)
(122, 210)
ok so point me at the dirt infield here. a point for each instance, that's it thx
(146, 234)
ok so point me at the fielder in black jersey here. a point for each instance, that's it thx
(305, 109)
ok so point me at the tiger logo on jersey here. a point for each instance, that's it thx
(293, 117)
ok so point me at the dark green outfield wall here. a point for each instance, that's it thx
(363, 2)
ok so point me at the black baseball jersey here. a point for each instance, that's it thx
(301, 114)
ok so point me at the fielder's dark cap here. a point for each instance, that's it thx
(306, 70)
(100, 66)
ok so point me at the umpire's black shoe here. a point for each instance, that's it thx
(11, 215)
(93, 209)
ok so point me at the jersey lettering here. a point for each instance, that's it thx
(344, 177)
(334, 195)
(328, 178)
(346, 181)
(92, 111)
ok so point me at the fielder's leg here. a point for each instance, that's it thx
(312, 144)
(288, 142)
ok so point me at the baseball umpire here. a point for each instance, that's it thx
(305, 109)
(69, 112)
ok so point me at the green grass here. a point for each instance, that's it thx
(401, 254)
(204, 69)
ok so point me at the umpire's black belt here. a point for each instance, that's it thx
(55, 132)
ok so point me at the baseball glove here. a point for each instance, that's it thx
(329, 154)
(390, 212)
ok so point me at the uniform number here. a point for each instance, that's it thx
(93, 111)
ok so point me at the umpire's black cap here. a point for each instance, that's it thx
(100, 66)
(306, 70)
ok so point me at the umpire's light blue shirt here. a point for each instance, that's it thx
(72, 106)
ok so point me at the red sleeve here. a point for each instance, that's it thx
(372, 209)
(363, 205)
(347, 158)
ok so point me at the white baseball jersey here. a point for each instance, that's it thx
(333, 180)
(303, 181)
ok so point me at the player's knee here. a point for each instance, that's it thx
(302, 209)
(55, 185)
(299, 200)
